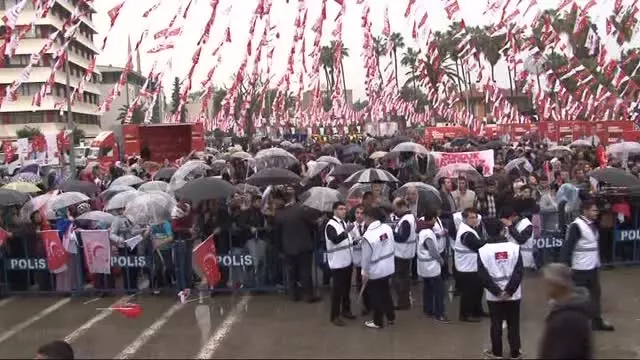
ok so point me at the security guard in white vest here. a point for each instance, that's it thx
(378, 266)
(429, 269)
(405, 250)
(500, 270)
(339, 244)
(357, 233)
(520, 232)
(465, 248)
(442, 234)
(580, 251)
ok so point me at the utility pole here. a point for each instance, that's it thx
(70, 125)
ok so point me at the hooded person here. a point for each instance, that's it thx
(567, 332)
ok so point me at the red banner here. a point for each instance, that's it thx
(57, 257)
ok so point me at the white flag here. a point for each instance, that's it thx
(11, 17)
(134, 241)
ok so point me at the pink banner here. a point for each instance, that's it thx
(97, 250)
(483, 159)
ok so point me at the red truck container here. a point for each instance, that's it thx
(165, 141)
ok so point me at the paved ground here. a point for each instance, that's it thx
(269, 326)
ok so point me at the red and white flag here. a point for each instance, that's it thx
(97, 250)
(11, 17)
(57, 257)
(205, 258)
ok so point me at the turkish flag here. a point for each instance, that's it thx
(57, 257)
(205, 258)
(502, 255)
(4, 235)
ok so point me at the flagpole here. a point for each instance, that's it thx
(70, 125)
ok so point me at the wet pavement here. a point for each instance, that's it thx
(270, 326)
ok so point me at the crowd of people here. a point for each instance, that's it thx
(477, 233)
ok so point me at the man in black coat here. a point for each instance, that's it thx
(567, 333)
(294, 233)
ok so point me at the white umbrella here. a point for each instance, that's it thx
(581, 142)
(625, 147)
(154, 186)
(378, 155)
(329, 159)
(320, 198)
(120, 201)
(410, 147)
(126, 180)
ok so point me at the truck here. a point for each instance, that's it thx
(164, 141)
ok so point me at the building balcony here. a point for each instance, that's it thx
(41, 75)
(23, 104)
(27, 15)
(32, 46)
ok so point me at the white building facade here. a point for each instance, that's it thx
(21, 113)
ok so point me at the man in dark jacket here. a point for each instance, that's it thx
(294, 227)
(567, 333)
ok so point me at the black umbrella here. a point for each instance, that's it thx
(273, 176)
(615, 177)
(346, 170)
(85, 187)
(463, 142)
(164, 174)
(494, 144)
(11, 197)
(352, 150)
(208, 188)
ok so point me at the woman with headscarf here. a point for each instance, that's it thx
(66, 280)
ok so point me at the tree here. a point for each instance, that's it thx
(327, 59)
(360, 105)
(410, 60)
(397, 42)
(136, 118)
(175, 101)
(78, 134)
(196, 95)
(28, 132)
(490, 46)
(379, 47)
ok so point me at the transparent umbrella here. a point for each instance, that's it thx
(427, 194)
(625, 147)
(37, 203)
(559, 150)
(521, 164)
(274, 157)
(378, 155)
(150, 208)
(456, 170)
(65, 200)
(127, 180)
(120, 200)
(320, 198)
(410, 147)
(317, 168)
(154, 186)
(27, 177)
(329, 159)
(98, 216)
(191, 170)
(570, 194)
(113, 190)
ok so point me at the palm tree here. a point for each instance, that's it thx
(397, 43)
(448, 49)
(328, 65)
(410, 60)
(344, 53)
(136, 118)
(490, 47)
(379, 46)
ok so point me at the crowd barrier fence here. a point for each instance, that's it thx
(256, 267)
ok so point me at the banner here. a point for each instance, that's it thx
(97, 250)
(483, 159)
(41, 150)
(205, 258)
(57, 257)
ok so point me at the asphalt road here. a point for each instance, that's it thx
(269, 326)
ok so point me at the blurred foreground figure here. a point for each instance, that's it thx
(57, 349)
(567, 333)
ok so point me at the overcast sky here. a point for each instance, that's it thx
(282, 16)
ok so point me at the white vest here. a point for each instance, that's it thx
(428, 266)
(407, 250)
(457, 219)
(380, 238)
(527, 247)
(441, 240)
(465, 259)
(500, 260)
(586, 254)
(338, 255)
(356, 250)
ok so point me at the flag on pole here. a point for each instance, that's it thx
(97, 250)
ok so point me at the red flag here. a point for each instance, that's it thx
(57, 257)
(206, 260)
(129, 310)
(4, 235)
(114, 12)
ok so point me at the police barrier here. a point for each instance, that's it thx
(547, 247)
(626, 246)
